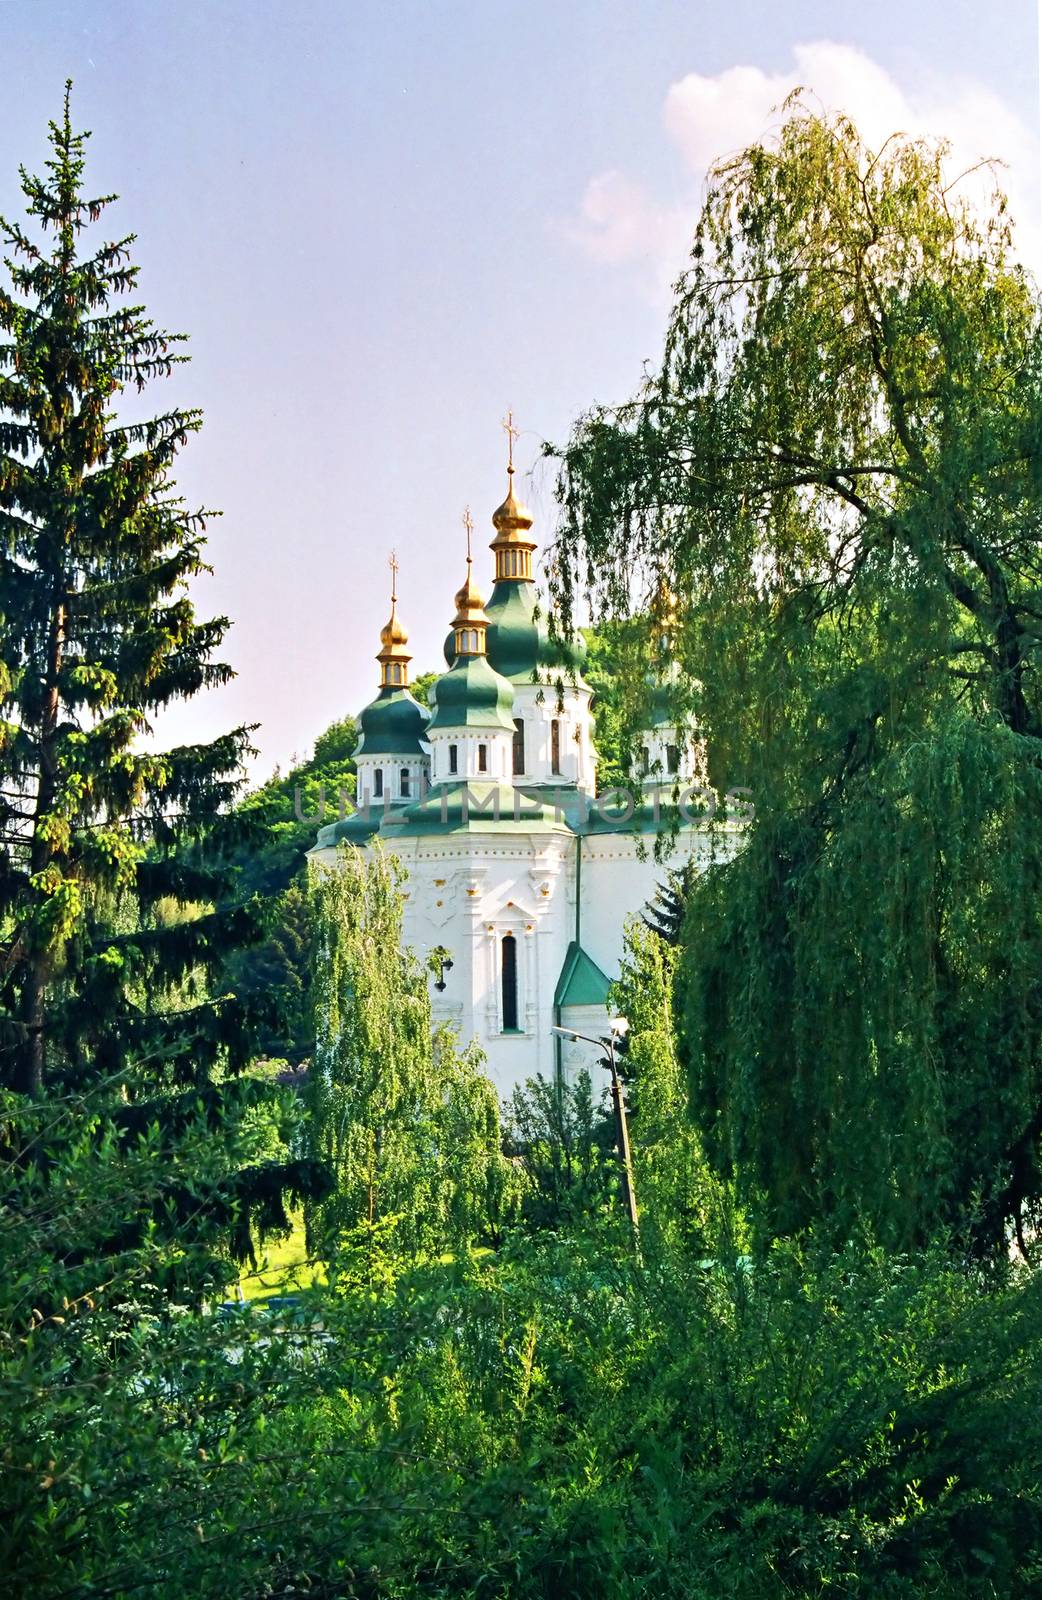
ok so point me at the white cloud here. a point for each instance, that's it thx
(711, 117)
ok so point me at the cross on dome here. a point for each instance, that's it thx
(512, 521)
(512, 433)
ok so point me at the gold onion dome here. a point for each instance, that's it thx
(470, 622)
(512, 521)
(663, 608)
(469, 602)
(394, 658)
(393, 631)
(511, 518)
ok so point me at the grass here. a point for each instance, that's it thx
(282, 1266)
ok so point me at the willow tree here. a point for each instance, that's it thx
(837, 468)
(406, 1123)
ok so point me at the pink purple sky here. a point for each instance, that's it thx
(384, 224)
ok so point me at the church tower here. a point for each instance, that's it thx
(519, 881)
(472, 730)
(392, 757)
(553, 731)
(669, 756)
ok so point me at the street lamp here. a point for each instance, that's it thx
(440, 960)
(617, 1029)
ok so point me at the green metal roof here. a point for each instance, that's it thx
(472, 695)
(519, 645)
(357, 829)
(582, 983)
(394, 724)
(490, 808)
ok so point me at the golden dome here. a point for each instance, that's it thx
(511, 518)
(393, 657)
(512, 545)
(470, 602)
(663, 608)
(470, 622)
(393, 631)
(513, 549)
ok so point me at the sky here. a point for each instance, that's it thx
(384, 224)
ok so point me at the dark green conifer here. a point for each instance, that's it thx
(97, 635)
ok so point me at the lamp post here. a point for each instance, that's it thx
(440, 960)
(618, 1027)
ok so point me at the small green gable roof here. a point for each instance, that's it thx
(394, 724)
(472, 695)
(582, 983)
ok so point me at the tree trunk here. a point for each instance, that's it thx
(29, 1064)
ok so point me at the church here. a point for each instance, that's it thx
(520, 876)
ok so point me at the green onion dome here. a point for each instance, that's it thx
(394, 724)
(661, 703)
(473, 695)
(519, 645)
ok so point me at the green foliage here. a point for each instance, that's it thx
(286, 813)
(552, 1420)
(421, 687)
(561, 1142)
(120, 1403)
(676, 1192)
(836, 468)
(615, 672)
(407, 1124)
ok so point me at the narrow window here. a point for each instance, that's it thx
(645, 761)
(378, 782)
(482, 757)
(672, 759)
(453, 758)
(509, 983)
(404, 784)
(519, 745)
(555, 745)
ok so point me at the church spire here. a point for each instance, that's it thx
(512, 546)
(470, 623)
(393, 657)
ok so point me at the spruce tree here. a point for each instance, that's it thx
(97, 635)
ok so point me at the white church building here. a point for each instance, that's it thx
(520, 878)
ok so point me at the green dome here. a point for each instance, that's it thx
(518, 644)
(392, 725)
(661, 704)
(472, 695)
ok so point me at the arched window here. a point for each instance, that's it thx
(645, 761)
(509, 983)
(403, 784)
(519, 745)
(482, 757)
(378, 782)
(453, 758)
(555, 745)
(672, 759)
